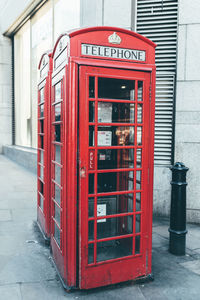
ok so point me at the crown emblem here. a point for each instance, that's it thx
(114, 38)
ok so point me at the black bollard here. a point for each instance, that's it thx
(177, 230)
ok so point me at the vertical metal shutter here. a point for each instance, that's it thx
(157, 20)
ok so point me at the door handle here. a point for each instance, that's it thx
(83, 172)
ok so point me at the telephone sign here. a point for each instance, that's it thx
(102, 128)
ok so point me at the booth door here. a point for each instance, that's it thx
(114, 127)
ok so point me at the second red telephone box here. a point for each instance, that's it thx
(103, 92)
(43, 157)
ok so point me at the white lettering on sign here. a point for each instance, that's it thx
(113, 52)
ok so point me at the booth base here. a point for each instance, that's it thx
(46, 239)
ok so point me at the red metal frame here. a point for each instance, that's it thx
(74, 70)
(43, 182)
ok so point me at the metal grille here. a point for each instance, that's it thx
(157, 20)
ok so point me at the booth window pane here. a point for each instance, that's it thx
(41, 126)
(41, 173)
(91, 207)
(137, 244)
(115, 181)
(116, 135)
(114, 249)
(139, 135)
(138, 180)
(41, 201)
(114, 227)
(112, 88)
(111, 112)
(139, 113)
(138, 201)
(91, 111)
(57, 196)
(58, 154)
(58, 174)
(110, 205)
(41, 142)
(91, 87)
(58, 133)
(42, 95)
(140, 90)
(57, 234)
(91, 230)
(41, 187)
(58, 91)
(90, 253)
(139, 158)
(41, 110)
(57, 214)
(137, 223)
(115, 158)
(41, 157)
(91, 135)
(57, 108)
(91, 183)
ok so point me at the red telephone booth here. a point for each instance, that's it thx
(102, 156)
(44, 158)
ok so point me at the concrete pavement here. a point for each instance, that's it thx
(26, 271)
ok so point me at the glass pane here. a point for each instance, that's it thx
(58, 174)
(42, 95)
(90, 253)
(114, 249)
(111, 205)
(139, 135)
(57, 108)
(139, 113)
(115, 227)
(139, 158)
(138, 201)
(58, 91)
(41, 142)
(41, 111)
(91, 111)
(57, 133)
(42, 126)
(109, 112)
(137, 244)
(90, 230)
(115, 136)
(115, 181)
(91, 183)
(115, 158)
(91, 207)
(91, 87)
(58, 154)
(91, 135)
(41, 201)
(57, 214)
(41, 173)
(57, 234)
(57, 194)
(112, 88)
(41, 157)
(140, 90)
(41, 187)
(138, 180)
(137, 223)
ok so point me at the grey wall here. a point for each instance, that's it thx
(188, 101)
